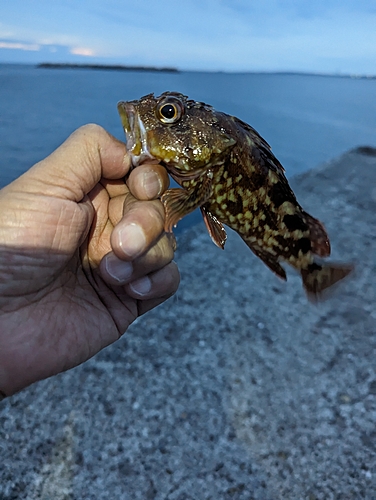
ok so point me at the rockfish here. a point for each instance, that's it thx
(227, 169)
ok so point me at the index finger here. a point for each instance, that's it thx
(148, 181)
(73, 170)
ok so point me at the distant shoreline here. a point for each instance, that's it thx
(110, 67)
(121, 67)
(324, 75)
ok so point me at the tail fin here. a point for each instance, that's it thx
(317, 278)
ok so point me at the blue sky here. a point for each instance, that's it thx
(331, 36)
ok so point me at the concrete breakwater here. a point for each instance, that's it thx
(236, 388)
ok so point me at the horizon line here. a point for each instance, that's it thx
(143, 68)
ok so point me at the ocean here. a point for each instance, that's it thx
(307, 119)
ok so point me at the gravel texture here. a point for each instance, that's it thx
(237, 388)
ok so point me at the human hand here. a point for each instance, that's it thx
(80, 256)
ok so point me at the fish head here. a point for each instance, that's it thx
(185, 135)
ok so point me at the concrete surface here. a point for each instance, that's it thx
(237, 388)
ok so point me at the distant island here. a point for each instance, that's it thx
(123, 67)
(111, 67)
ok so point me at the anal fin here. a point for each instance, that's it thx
(270, 261)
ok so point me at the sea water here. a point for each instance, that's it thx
(307, 119)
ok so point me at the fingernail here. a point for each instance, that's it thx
(118, 269)
(132, 240)
(141, 286)
(152, 184)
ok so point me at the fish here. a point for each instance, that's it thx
(224, 167)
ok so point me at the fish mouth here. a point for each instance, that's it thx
(135, 133)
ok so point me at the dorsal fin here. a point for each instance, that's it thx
(318, 236)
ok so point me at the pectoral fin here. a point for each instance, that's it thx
(175, 202)
(215, 228)
(180, 202)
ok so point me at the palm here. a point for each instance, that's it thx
(55, 284)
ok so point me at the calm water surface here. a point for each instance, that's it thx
(306, 119)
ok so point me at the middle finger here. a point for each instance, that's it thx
(141, 226)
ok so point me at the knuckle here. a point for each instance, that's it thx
(174, 277)
(90, 129)
(151, 211)
(160, 254)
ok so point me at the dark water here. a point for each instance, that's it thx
(306, 119)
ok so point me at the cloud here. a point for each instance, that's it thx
(19, 46)
(82, 51)
(19, 51)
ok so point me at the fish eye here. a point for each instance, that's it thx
(170, 110)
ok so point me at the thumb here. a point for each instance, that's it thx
(72, 171)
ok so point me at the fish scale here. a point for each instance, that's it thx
(228, 170)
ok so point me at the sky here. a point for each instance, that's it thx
(320, 36)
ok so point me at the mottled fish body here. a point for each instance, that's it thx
(228, 170)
